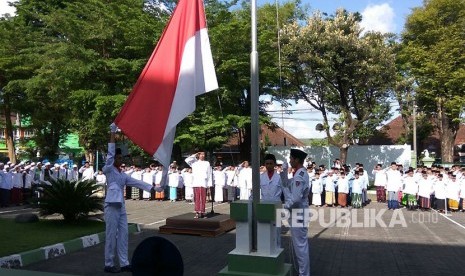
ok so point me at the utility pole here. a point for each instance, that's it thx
(415, 130)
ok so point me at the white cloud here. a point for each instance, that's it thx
(300, 123)
(378, 18)
(5, 8)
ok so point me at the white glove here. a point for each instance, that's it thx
(113, 128)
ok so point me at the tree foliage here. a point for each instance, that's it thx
(338, 69)
(433, 53)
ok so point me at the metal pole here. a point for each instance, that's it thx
(254, 123)
(415, 132)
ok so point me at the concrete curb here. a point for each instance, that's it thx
(56, 250)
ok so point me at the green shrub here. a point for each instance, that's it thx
(72, 199)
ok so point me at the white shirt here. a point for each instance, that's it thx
(201, 172)
(410, 186)
(270, 188)
(317, 187)
(343, 185)
(440, 189)
(425, 187)
(219, 178)
(173, 179)
(380, 178)
(394, 180)
(453, 190)
(245, 178)
(101, 179)
(87, 173)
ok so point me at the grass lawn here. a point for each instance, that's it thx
(20, 237)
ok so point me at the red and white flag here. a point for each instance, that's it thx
(180, 68)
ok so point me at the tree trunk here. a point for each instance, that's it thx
(447, 133)
(90, 156)
(245, 145)
(343, 154)
(9, 130)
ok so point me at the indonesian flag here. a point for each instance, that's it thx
(180, 68)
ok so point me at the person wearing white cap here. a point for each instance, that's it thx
(116, 223)
(75, 173)
(17, 185)
(27, 184)
(47, 173)
(66, 172)
(296, 192)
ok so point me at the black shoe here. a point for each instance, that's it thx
(111, 269)
(126, 268)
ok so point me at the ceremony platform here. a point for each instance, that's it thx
(211, 226)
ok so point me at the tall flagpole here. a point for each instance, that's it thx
(254, 123)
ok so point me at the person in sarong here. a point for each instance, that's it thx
(343, 189)
(202, 173)
(410, 191)
(159, 184)
(394, 185)
(425, 189)
(330, 192)
(440, 194)
(136, 193)
(357, 191)
(453, 193)
(380, 183)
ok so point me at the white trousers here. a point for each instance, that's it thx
(301, 249)
(116, 235)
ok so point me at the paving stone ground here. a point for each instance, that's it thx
(343, 242)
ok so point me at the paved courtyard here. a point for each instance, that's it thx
(372, 241)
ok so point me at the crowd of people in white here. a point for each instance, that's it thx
(17, 181)
(424, 188)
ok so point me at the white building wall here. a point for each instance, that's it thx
(369, 156)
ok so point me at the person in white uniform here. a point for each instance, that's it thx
(296, 190)
(188, 178)
(116, 222)
(219, 181)
(202, 178)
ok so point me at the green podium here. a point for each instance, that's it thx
(269, 257)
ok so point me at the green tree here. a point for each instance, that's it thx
(433, 51)
(17, 64)
(229, 32)
(332, 65)
(85, 59)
